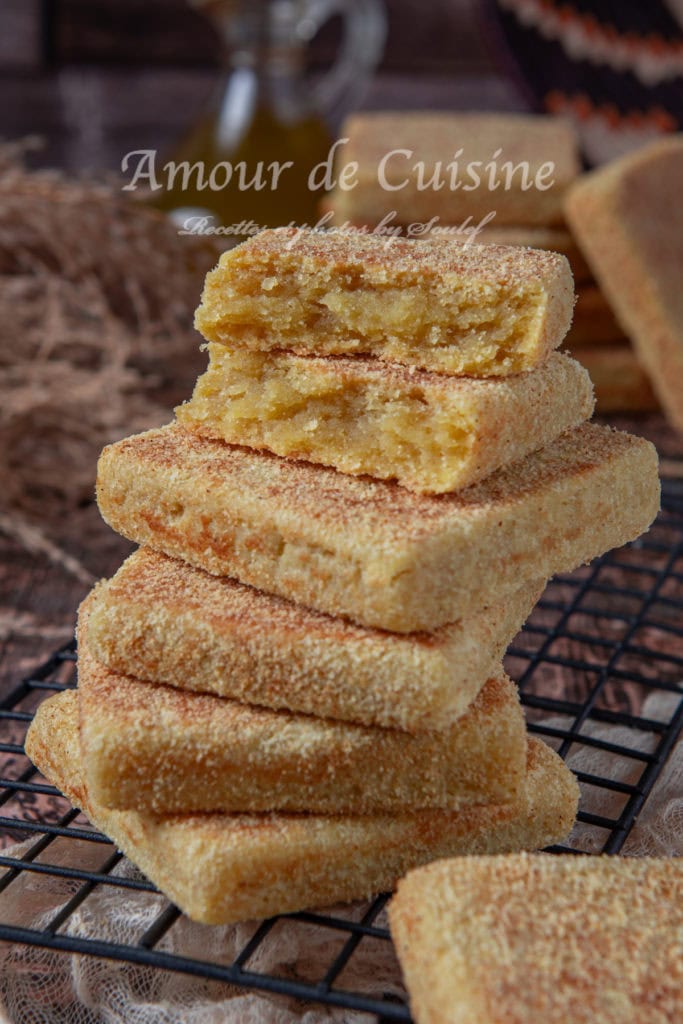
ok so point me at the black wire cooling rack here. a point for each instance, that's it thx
(599, 666)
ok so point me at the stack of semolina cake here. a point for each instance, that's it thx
(627, 217)
(292, 693)
(492, 178)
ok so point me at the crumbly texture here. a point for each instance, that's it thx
(219, 868)
(148, 746)
(594, 322)
(437, 305)
(540, 939)
(160, 619)
(629, 223)
(436, 137)
(369, 549)
(429, 432)
(553, 239)
(621, 384)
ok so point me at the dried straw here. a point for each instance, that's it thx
(96, 300)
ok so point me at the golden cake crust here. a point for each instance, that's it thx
(219, 868)
(540, 939)
(147, 746)
(437, 305)
(430, 432)
(161, 619)
(368, 549)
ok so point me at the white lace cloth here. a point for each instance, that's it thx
(39, 986)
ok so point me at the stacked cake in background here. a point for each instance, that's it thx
(293, 692)
(448, 173)
(627, 218)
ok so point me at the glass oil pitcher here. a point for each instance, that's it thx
(247, 163)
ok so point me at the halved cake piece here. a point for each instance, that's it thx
(220, 867)
(429, 432)
(439, 305)
(161, 619)
(368, 549)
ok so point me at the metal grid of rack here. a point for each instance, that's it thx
(599, 645)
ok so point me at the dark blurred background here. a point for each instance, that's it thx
(96, 78)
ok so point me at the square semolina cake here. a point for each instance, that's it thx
(161, 619)
(221, 868)
(429, 432)
(484, 149)
(369, 550)
(147, 746)
(483, 311)
(628, 219)
(542, 939)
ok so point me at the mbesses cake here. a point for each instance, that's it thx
(628, 219)
(429, 432)
(369, 550)
(159, 618)
(292, 693)
(457, 167)
(436, 305)
(220, 867)
(206, 753)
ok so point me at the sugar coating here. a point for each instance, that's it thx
(370, 550)
(437, 304)
(220, 868)
(542, 939)
(147, 746)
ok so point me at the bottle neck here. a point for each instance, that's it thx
(259, 34)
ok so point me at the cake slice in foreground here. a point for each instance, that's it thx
(429, 432)
(220, 868)
(542, 940)
(438, 305)
(369, 549)
(152, 747)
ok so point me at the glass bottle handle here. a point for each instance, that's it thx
(364, 33)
